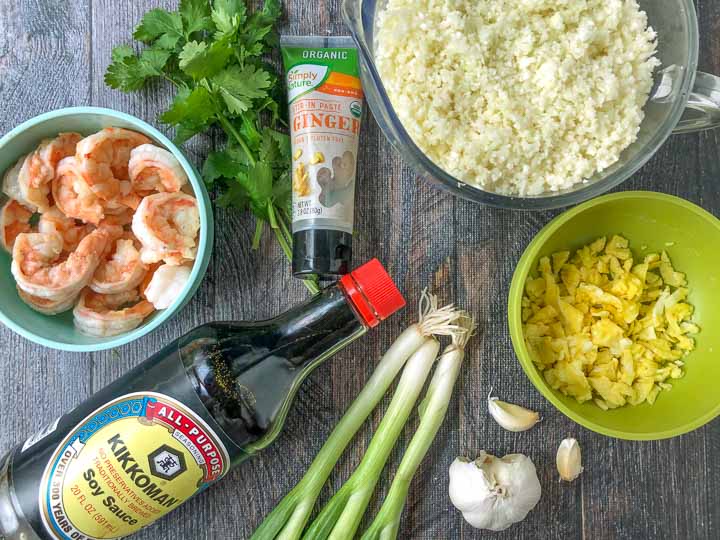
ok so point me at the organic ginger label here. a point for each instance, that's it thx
(326, 102)
(127, 464)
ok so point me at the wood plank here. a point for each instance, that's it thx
(39, 45)
(665, 489)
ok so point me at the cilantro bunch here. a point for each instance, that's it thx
(214, 53)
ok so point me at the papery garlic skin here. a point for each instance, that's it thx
(569, 460)
(512, 417)
(493, 493)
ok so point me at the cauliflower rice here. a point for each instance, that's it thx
(519, 97)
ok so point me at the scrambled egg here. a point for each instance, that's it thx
(602, 326)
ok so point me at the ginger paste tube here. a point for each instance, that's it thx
(325, 101)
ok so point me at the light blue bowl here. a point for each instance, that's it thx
(59, 332)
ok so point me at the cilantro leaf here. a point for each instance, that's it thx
(270, 12)
(160, 26)
(228, 15)
(154, 60)
(282, 192)
(249, 130)
(258, 184)
(235, 196)
(221, 164)
(251, 188)
(271, 105)
(264, 22)
(251, 41)
(128, 72)
(121, 52)
(195, 15)
(187, 130)
(199, 60)
(237, 152)
(192, 52)
(122, 73)
(239, 86)
(275, 147)
(192, 112)
(194, 107)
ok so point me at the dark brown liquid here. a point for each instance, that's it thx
(247, 373)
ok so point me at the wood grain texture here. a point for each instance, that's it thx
(39, 44)
(54, 53)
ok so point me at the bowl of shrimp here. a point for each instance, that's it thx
(105, 228)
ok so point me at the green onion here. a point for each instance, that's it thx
(341, 516)
(287, 521)
(432, 413)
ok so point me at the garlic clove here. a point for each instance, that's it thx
(512, 417)
(569, 460)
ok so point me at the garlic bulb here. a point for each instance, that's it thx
(493, 493)
(569, 460)
(512, 417)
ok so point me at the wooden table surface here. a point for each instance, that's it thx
(54, 53)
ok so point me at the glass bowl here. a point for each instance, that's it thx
(681, 101)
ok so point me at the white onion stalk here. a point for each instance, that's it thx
(432, 413)
(288, 519)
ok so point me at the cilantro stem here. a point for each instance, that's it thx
(271, 215)
(170, 79)
(258, 233)
(283, 243)
(282, 218)
(240, 61)
(231, 131)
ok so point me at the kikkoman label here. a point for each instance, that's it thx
(127, 464)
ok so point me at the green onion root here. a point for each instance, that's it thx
(432, 413)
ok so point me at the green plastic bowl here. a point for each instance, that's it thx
(693, 238)
(58, 332)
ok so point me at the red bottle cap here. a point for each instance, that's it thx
(372, 291)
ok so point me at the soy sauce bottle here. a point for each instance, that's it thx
(179, 421)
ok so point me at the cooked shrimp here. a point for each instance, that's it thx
(120, 219)
(103, 315)
(12, 187)
(126, 198)
(153, 168)
(54, 221)
(152, 268)
(39, 167)
(121, 271)
(45, 306)
(40, 271)
(167, 225)
(115, 233)
(73, 196)
(103, 159)
(166, 285)
(14, 220)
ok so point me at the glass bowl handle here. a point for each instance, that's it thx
(703, 106)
